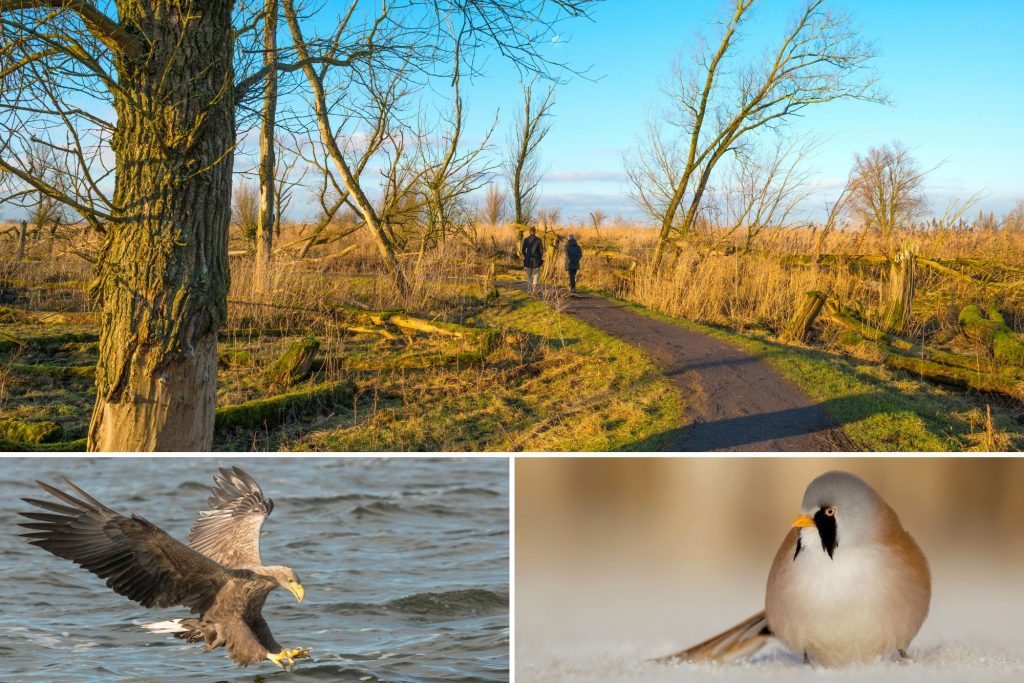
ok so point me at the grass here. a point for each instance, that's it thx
(548, 382)
(880, 410)
(552, 384)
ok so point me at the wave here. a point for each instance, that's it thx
(472, 601)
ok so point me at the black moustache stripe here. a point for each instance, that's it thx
(799, 546)
(827, 531)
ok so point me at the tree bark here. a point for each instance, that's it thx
(268, 196)
(163, 276)
(21, 240)
(902, 280)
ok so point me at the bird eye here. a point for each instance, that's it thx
(831, 511)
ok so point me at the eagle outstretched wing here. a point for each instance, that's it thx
(229, 532)
(138, 559)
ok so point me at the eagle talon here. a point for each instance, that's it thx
(283, 659)
(286, 658)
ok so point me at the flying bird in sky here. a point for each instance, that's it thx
(219, 575)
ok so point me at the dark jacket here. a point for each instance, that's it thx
(573, 254)
(533, 252)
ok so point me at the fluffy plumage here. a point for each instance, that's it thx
(848, 584)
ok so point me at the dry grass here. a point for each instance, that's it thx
(549, 383)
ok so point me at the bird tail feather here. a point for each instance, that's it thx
(171, 626)
(741, 640)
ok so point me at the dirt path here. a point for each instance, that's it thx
(737, 402)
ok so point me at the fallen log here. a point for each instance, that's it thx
(48, 341)
(17, 315)
(359, 316)
(293, 364)
(936, 366)
(30, 432)
(274, 411)
(78, 445)
(413, 361)
(993, 333)
(55, 371)
(381, 331)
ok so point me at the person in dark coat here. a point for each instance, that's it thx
(533, 258)
(573, 254)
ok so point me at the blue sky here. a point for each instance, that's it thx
(953, 70)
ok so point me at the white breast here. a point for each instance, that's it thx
(860, 605)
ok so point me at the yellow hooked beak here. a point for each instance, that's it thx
(803, 521)
(296, 589)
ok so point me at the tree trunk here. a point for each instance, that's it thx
(163, 274)
(268, 208)
(21, 240)
(901, 291)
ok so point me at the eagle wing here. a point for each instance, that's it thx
(229, 532)
(138, 559)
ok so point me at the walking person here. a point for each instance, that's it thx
(533, 258)
(573, 254)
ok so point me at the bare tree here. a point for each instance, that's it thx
(1014, 219)
(767, 187)
(246, 210)
(167, 70)
(597, 219)
(522, 157)
(717, 104)
(549, 218)
(269, 209)
(494, 205)
(449, 175)
(887, 188)
(835, 210)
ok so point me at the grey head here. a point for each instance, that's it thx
(845, 512)
(284, 577)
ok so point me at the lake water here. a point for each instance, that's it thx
(404, 563)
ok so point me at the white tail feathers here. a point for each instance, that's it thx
(172, 626)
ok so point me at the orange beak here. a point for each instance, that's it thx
(803, 521)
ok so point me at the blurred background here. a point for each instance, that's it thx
(622, 559)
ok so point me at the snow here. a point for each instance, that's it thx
(595, 629)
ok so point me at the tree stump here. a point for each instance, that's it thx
(800, 326)
(21, 240)
(294, 364)
(490, 289)
(902, 279)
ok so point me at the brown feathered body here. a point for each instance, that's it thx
(219, 578)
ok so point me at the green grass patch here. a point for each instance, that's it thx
(550, 383)
(880, 409)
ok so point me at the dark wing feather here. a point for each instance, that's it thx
(743, 639)
(229, 532)
(138, 560)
